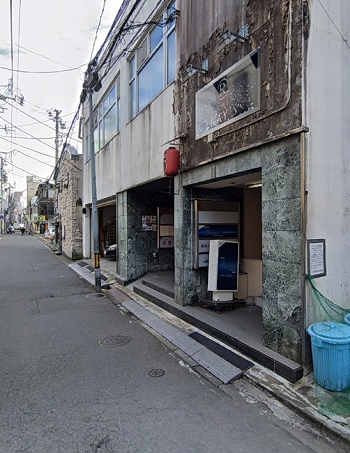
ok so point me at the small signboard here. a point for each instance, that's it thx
(316, 257)
(223, 265)
(149, 223)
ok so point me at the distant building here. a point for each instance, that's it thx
(46, 205)
(69, 183)
(32, 187)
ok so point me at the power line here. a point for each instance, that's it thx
(16, 127)
(335, 25)
(34, 158)
(20, 47)
(98, 28)
(28, 172)
(26, 147)
(44, 72)
(30, 116)
(43, 56)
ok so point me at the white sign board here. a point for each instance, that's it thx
(317, 257)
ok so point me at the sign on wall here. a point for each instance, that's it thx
(232, 95)
(149, 223)
(316, 249)
(165, 228)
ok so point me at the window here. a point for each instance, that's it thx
(152, 67)
(106, 121)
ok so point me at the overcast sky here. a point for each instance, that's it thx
(53, 36)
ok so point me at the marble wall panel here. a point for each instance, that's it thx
(281, 238)
(137, 245)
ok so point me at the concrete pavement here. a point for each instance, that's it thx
(330, 411)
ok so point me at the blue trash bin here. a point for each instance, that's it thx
(347, 319)
(330, 345)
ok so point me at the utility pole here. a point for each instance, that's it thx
(54, 114)
(3, 180)
(91, 84)
(94, 200)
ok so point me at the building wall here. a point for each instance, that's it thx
(327, 149)
(32, 186)
(135, 155)
(252, 223)
(71, 207)
(267, 140)
(281, 238)
(135, 245)
(274, 28)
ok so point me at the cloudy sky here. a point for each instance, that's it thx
(55, 41)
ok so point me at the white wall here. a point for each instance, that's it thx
(135, 155)
(328, 143)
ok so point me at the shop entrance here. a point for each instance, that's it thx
(236, 217)
(107, 231)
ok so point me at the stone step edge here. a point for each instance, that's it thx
(218, 367)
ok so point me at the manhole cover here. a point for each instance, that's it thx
(114, 340)
(157, 372)
(95, 296)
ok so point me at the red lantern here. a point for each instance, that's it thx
(171, 161)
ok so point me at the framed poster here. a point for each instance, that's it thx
(316, 250)
(149, 223)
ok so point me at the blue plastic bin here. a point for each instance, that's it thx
(330, 344)
(347, 319)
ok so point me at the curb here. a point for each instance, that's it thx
(263, 379)
(272, 384)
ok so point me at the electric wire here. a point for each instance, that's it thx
(32, 117)
(98, 28)
(25, 171)
(40, 55)
(26, 147)
(44, 72)
(18, 39)
(16, 127)
(123, 29)
(34, 158)
(11, 39)
(335, 25)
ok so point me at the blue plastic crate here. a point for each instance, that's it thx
(330, 344)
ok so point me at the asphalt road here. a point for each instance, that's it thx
(65, 390)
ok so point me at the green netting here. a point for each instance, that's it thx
(323, 308)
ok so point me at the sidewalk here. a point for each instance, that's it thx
(330, 411)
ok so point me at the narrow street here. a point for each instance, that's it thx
(64, 388)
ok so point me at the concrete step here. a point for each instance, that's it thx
(269, 359)
(214, 364)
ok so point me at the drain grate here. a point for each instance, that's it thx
(114, 340)
(157, 372)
